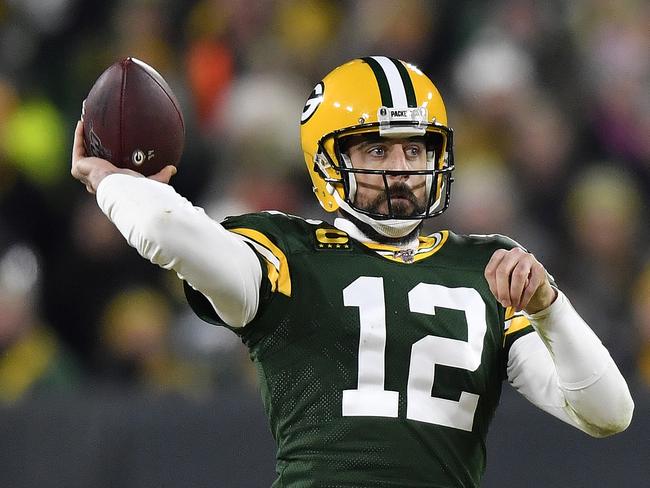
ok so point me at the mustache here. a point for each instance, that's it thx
(395, 192)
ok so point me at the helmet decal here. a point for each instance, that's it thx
(312, 103)
(395, 85)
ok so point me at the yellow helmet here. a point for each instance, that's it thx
(378, 95)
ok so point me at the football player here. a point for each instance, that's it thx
(381, 352)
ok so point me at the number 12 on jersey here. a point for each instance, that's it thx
(370, 398)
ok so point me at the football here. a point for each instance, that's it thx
(132, 118)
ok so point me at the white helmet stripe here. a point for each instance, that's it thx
(395, 83)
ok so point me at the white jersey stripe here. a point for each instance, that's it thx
(268, 255)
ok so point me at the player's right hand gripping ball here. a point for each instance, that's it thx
(132, 118)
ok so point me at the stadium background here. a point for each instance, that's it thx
(106, 378)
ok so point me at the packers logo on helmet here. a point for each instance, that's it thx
(314, 100)
(382, 96)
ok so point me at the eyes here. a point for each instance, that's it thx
(411, 151)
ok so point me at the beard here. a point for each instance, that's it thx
(399, 198)
(404, 204)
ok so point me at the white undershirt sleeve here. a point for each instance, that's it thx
(566, 371)
(169, 231)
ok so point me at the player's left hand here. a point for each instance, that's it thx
(518, 280)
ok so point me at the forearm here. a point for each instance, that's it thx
(564, 369)
(169, 231)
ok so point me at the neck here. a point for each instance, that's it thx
(365, 232)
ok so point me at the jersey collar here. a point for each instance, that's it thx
(418, 248)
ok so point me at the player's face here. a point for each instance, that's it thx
(406, 193)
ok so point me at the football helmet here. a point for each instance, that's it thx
(384, 97)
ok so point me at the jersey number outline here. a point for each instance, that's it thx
(370, 398)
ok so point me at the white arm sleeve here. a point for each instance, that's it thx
(566, 371)
(169, 231)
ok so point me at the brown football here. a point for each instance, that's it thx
(132, 118)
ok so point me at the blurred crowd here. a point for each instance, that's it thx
(550, 103)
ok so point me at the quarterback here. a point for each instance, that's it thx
(380, 351)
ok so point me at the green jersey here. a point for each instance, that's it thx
(378, 367)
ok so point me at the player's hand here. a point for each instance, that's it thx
(518, 280)
(91, 170)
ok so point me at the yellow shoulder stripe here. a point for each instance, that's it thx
(510, 313)
(276, 262)
(515, 322)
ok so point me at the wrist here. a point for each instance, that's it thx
(542, 299)
(97, 176)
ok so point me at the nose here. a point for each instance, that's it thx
(397, 160)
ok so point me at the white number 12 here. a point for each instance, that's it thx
(370, 398)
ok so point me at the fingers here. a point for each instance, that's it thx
(502, 279)
(514, 276)
(520, 281)
(78, 148)
(88, 170)
(77, 169)
(491, 271)
(536, 278)
(498, 272)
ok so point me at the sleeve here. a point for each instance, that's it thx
(264, 235)
(564, 369)
(264, 238)
(169, 231)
